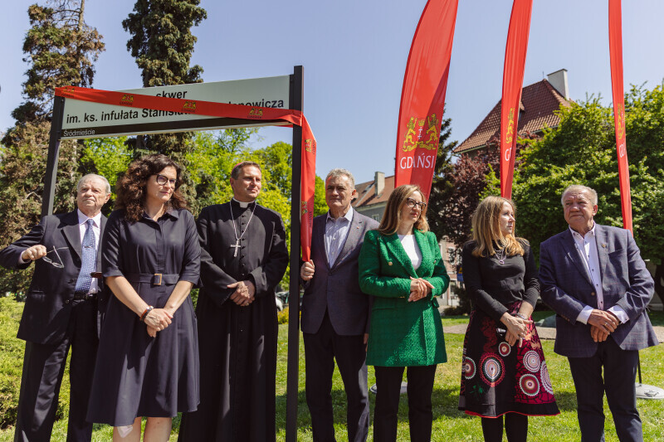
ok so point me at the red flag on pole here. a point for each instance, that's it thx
(615, 51)
(423, 95)
(307, 189)
(515, 61)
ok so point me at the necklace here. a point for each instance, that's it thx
(501, 257)
(238, 238)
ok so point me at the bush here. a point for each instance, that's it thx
(282, 316)
(11, 359)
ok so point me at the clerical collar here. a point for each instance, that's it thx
(243, 204)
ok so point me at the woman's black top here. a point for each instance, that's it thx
(492, 286)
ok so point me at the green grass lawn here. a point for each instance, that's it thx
(450, 425)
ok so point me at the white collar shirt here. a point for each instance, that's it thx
(336, 232)
(586, 246)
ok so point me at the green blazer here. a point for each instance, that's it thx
(402, 333)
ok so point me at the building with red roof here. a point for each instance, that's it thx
(537, 111)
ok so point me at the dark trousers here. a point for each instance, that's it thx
(420, 417)
(516, 427)
(619, 385)
(43, 367)
(320, 350)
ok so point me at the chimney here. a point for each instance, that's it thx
(379, 182)
(558, 80)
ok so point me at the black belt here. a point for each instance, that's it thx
(153, 278)
(84, 296)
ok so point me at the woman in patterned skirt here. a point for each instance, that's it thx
(503, 369)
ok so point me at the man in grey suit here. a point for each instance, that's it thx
(595, 280)
(62, 310)
(335, 312)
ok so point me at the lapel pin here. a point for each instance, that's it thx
(389, 263)
(604, 246)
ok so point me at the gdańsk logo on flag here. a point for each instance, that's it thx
(431, 134)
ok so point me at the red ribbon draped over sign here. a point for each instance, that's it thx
(615, 51)
(223, 110)
(515, 61)
(423, 95)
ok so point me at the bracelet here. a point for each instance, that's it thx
(145, 313)
(522, 316)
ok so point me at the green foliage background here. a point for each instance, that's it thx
(582, 150)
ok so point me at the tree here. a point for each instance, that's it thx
(582, 150)
(60, 50)
(457, 187)
(162, 43)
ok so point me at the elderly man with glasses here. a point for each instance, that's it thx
(61, 311)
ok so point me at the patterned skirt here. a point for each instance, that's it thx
(497, 378)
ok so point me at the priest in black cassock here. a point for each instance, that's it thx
(243, 258)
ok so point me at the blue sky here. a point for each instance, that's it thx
(354, 54)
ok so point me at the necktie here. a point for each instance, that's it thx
(88, 259)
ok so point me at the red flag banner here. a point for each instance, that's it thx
(307, 188)
(223, 110)
(615, 51)
(515, 62)
(423, 95)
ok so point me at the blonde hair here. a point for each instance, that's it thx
(486, 228)
(392, 215)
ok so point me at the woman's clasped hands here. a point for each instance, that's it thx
(517, 328)
(157, 320)
(419, 288)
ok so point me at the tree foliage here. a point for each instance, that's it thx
(162, 44)
(60, 50)
(582, 149)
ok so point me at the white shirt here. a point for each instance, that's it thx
(336, 231)
(586, 246)
(412, 249)
(96, 229)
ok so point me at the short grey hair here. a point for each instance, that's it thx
(92, 176)
(578, 188)
(334, 173)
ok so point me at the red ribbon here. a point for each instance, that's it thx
(224, 110)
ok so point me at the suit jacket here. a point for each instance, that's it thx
(402, 333)
(566, 287)
(337, 288)
(49, 300)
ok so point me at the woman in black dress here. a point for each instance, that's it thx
(147, 363)
(503, 370)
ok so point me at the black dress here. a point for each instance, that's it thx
(498, 378)
(137, 375)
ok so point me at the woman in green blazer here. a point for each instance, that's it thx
(401, 266)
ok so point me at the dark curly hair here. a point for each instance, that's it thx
(131, 187)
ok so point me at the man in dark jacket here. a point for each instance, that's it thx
(61, 311)
(335, 312)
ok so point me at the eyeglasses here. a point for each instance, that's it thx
(163, 179)
(59, 264)
(412, 203)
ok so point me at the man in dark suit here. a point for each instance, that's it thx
(594, 278)
(61, 311)
(335, 312)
